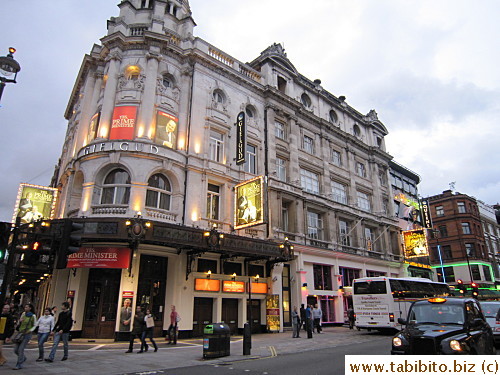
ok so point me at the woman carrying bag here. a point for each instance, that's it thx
(23, 333)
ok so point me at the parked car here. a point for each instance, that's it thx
(490, 311)
(444, 326)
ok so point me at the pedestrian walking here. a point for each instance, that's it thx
(6, 330)
(351, 317)
(61, 332)
(317, 315)
(137, 328)
(303, 317)
(295, 323)
(172, 329)
(25, 328)
(149, 330)
(309, 322)
(45, 326)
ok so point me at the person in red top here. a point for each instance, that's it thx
(172, 329)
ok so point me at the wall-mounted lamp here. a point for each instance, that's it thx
(304, 285)
(209, 273)
(233, 277)
(257, 278)
(275, 278)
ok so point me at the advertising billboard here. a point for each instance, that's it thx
(100, 257)
(166, 129)
(123, 123)
(426, 213)
(34, 203)
(93, 127)
(249, 198)
(415, 243)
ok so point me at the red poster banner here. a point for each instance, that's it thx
(100, 257)
(123, 123)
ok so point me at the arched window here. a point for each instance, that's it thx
(168, 81)
(356, 130)
(306, 100)
(333, 117)
(116, 188)
(250, 111)
(132, 72)
(218, 96)
(159, 192)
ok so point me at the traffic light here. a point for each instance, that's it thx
(31, 253)
(5, 229)
(475, 290)
(70, 242)
(461, 286)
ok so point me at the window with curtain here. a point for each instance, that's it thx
(116, 188)
(159, 192)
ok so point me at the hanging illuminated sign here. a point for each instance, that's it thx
(415, 243)
(249, 198)
(426, 213)
(258, 288)
(35, 203)
(241, 136)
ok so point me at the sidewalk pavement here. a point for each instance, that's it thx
(105, 357)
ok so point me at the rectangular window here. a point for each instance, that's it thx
(466, 228)
(443, 231)
(213, 198)
(369, 239)
(348, 275)
(374, 273)
(449, 273)
(322, 277)
(216, 146)
(279, 130)
(345, 238)
(336, 158)
(308, 144)
(470, 249)
(281, 169)
(339, 192)
(399, 182)
(461, 207)
(205, 265)
(360, 169)
(446, 251)
(439, 211)
(251, 162)
(363, 201)
(476, 275)
(314, 226)
(284, 218)
(487, 273)
(309, 181)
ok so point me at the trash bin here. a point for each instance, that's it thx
(216, 340)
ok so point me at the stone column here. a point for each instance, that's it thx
(108, 101)
(144, 128)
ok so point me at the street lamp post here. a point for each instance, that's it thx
(8, 69)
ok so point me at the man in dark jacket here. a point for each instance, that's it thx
(6, 329)
(137, 328)
(303, 317)
(61, 331)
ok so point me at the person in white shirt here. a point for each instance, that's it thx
(45, 325)
(317, 315)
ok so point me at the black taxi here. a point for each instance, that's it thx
(444, 326)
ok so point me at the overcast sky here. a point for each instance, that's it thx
(429, 68)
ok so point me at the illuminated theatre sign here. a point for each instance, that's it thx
(35, 203)
(100, 257)
(249, 198)
(415, 243)
(241, 136)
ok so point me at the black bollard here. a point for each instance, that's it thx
(247, 339)
(309, 328)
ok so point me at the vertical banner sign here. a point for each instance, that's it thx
(166, 130)
(123, 123)
(126, 311)
(426, 213)
(273, 313)
(241, 139)
(70, 298)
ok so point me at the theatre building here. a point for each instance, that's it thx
(231, 190)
